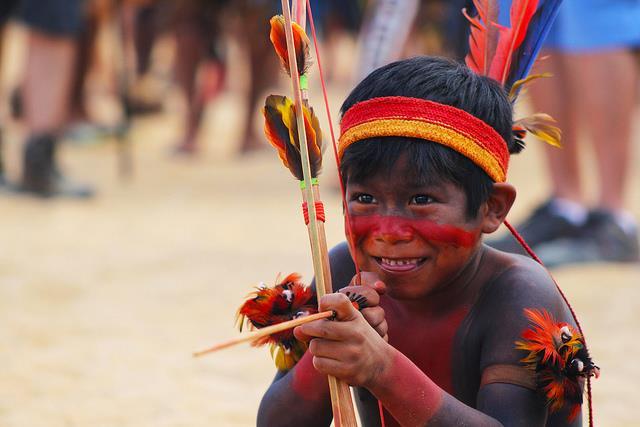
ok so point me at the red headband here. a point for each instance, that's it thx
(419, 118)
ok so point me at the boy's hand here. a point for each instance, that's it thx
(370, 287)
(348, 348)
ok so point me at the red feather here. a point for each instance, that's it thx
(510, 39)
(484, 35)
(491, 45)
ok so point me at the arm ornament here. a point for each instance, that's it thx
(559, 358)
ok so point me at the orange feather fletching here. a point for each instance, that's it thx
(557, 354)
(281, 130)
(285, 301)
(300, 41)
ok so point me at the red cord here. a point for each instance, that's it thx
(533, 255)
(319, 212)
(333, 139)
(350, 239)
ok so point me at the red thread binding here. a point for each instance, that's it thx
(319, 212)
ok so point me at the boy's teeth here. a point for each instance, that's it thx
(407, 261)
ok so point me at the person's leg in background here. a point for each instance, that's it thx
(592, 95)
(604, 85)
(51, 53)
(6, 8)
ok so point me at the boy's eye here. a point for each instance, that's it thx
(365, 198)
(422, 199)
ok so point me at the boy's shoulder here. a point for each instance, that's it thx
(520, 281)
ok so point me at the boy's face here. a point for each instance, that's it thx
(417, 238)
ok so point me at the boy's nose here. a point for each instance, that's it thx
(394, 230)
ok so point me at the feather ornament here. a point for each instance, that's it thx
(281, 130)
(540, 125)
(507, 53)
(300, 40)
(557, 354)
(268, 306)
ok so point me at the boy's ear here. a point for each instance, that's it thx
(498, 206)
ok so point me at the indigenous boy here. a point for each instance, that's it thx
(424, 148)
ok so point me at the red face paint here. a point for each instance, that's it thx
(398, 228)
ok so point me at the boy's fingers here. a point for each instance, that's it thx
(372, 297)
(339, 303)
(367, 278)
(301, 335)
(326, 329)
(328, 366)
(326, 348)
(373, 315)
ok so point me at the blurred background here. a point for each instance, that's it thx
(141, 202)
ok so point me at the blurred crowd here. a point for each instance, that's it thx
(66, 53)
(593, 93)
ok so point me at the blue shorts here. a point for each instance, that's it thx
(6, 8)
(592, 25)
(55, 17)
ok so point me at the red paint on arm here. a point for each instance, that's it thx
(410, 396)
(402, 228)
(307, 382)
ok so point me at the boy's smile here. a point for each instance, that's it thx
(416, 236)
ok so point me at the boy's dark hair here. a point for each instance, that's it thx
(444, 81)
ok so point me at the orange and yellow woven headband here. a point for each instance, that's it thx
(419, 118)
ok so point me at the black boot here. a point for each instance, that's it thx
(2, 176)
(37, 167)
(40, 174)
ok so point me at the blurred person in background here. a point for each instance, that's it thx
(52, 30)
(200, 66)
(6, 8)
(199, 63)
(592, 94)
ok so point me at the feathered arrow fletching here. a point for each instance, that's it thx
(285, 301)
(281, 130)
(300, 41)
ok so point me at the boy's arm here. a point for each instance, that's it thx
(301, 395)
(511, 396)
(351, 350)
(297, 397)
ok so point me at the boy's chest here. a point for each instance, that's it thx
(430, 342)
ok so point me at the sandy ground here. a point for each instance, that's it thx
(102, 302)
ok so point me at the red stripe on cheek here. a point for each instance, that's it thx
(401, 228)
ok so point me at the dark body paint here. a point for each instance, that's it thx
(452, 349)
(452, 342)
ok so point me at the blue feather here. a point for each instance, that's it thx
(525, 56)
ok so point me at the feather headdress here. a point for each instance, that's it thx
(507, 53)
